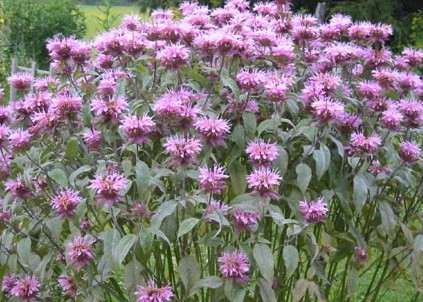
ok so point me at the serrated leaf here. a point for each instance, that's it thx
(264, 259)
(291, 259)
(190, 271)
(121, 250)
(59, 176)
(186, 226)
(360, 191)
(303, 176)
(266, 292)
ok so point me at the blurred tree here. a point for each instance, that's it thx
(29, 23)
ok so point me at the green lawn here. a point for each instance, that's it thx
(92, 13)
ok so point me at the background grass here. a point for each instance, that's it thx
(92, 13)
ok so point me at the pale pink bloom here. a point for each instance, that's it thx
(261, 153)
(182, 150)
(360, 143)
(46, 83)
(359, 32)
(80, 251)
(315, 211)
(327, 110)
(4, 135)
(264, 182)
(173, 56)
(80, 53)
(60, 47)
(377, 58)
(107, 86)
(131, 22)
(250, 81)
(138, 128)
(152, 293)
(19, 140)
(26, 289)
(413, 111)
(235, 266)
(379, 33)
(376, 168)
(414, 57)
(391, 119)
(385, 77)
(212, 180)
(111, 43)
(65, 203)
(213, 130)
(67, 285)
(216, 205)
(65, 106)
(21, 81)
(266, 9)
(349, 121)
(162, 15)
(369, 89)
(409, 152)
(109, 110)
(9, 282)
(283, 53)
(108, 188)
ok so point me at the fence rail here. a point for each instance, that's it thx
(31, 70)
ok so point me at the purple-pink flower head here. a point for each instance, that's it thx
(65, 203)
(9, 282)
(19, 140)
(138, 128)
(250, 81)
(65, 106)
(235, 266)
(67, 286)
(315, 211)
(110, 109)
(173, 56)
(152, 293)
(108, 188)
(413, 112)
(379, 33)
(264, 182)
(216, 205)
(60, 47)
(26, 289)
(212, 180)
(261, 153)
(18, 187)
(409, 152)
(213, 130)
(369, 89)
(92, 138)
(414, 57)
(327, 110)
(21, 81)
(183, 150)
(391, 118)
(359, 143)
(131, 22)
(243, 220)
(80, 251)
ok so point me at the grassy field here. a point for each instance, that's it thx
(92, 13)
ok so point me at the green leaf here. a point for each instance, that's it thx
(72, 149)
(352, 281)
(388, 217)
(291, 259)
(300, 290)
(111, 240)
(250, 123)
(24, 250)
(227, 81)
(186, 226)
(77, 172)
(234, 292)
(127, 167)
(238, 174)
(190, 271)
(360, 191)
(264, 259)
(238, 136)
(266, 292)
(339, 145)
(281, 162)
(265, 125)
(303, 176)
(59, 176)
(142, 179)
(165, 209)
(209, 282)
(418, 244)
(121, 250)
(322, 160)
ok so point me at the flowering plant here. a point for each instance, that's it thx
(232, 154)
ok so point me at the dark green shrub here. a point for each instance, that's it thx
(29, 23)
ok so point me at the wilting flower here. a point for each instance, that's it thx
(26, 289)
(261, 153)
(315, 211)
(409, 152)
(18, 187)
(80, 251)
(235, 266)
(213, 130)
(212, 180)
(66, 202)
(108, 188)
(9, 282)
(264, 182)
(67, 285)
(151, 293)
(183, 150)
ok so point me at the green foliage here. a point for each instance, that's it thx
(416, 36)
(29, 23)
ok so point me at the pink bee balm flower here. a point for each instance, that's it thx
(21, 81)
(136, 129)
(261, 153)
(249, 81)
(244, 221)
(67, 285)
(216, 205)
(235, 266)
(315, 211)
(108, 188)
(65, 203)
(183, 150)
(409, 152)
(92, 138)
(173, 56)
(264, 182)
(213, 130)
(18, 188)
(26, 289)
(151, 293)
(212, 180)
(360, 143)
(20, 140)
(80, 251)
(67, 105)
(327, 110)
(110, 109)
(391, 119)
(9, 282)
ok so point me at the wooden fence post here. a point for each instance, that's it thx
(320, 11)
